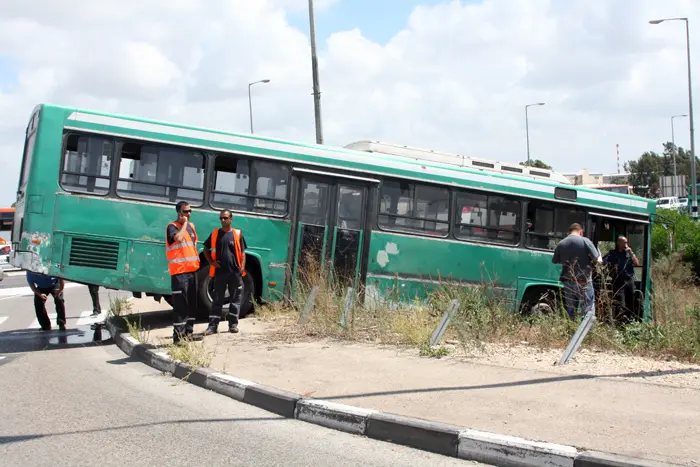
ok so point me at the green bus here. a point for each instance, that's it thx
(96, 192)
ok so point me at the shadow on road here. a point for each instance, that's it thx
(528, 382)
(19, 438)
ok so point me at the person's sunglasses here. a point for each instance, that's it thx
(186, 211)
(224, 218)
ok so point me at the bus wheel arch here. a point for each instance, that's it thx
(539, 300)
(252, 288)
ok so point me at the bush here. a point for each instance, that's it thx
(687, 237)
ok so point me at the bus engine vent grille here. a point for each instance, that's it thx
(93, 253)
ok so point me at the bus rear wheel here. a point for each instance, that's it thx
(206, 295)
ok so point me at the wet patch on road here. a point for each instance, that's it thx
(31, 340)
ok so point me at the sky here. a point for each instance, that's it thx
(446, 75)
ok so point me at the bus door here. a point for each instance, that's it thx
(603, 231)
(330, 229)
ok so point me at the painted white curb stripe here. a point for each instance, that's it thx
(332, 415)
(228, 385)
(498, 449)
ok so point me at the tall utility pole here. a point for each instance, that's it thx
(250, 101)
(314, 71)
(527, 131)
(693, 182)
(675, 152)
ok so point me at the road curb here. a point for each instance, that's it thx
(440, 438)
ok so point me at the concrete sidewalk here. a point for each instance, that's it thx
(620, 413)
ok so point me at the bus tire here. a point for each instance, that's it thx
(539, 301)
(206, 295)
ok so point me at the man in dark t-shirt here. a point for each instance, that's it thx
(623, 261)
(577, 254)
(225, 251)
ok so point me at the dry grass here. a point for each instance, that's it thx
(136, 330)
(118, 307)
(484, 318)
(193, 353)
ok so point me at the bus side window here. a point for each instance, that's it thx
(487, 218)
(87, 163)
(418, 208)
(250, 185)
(161, 173)
(550, 223)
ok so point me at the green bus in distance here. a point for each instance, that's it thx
(96, 192)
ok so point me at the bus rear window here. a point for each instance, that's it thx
(29, 149)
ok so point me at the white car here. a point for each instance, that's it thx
(668, 202)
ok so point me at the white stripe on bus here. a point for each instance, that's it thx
(354, 156)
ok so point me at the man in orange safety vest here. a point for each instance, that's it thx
(183, 264)
(225, 251)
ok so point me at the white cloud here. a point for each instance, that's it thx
(455, 78)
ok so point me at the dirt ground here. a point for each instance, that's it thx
(600, 400)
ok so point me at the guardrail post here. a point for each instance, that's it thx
(580, 334)
(309, 305)
(349, 300)
(444, 323)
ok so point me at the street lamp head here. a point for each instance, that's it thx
(265, 81)
(659, 21)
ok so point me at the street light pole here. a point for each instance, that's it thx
(527, 131)
(693, 187)
(250, 101)
(675, 151)
(314, 73)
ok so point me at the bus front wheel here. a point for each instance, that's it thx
(539, 301)
(206, 295)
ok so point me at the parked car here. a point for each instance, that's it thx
(668, 202)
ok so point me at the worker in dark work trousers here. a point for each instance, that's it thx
(225, 251)
(43, 286)
(183, 264)
(95, 297)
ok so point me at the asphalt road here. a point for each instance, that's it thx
(67, 401)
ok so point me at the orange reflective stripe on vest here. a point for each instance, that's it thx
(236, 245)
(182, 256)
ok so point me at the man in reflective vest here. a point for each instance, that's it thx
(225, 251)
(183, 264)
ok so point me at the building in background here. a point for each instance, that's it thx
(586, 177)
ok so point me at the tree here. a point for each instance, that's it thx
(618, 180)
(13, 204)
(646, 171)
(538, 164)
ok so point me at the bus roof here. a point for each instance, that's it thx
(340, 158)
